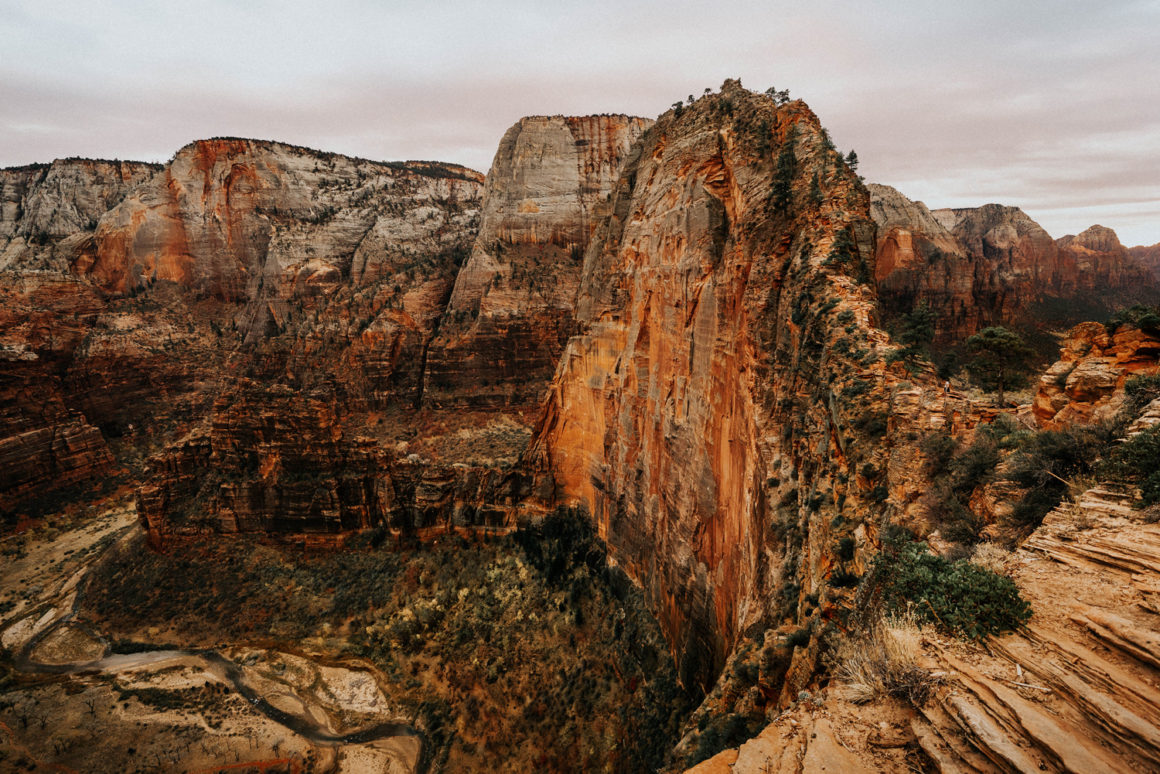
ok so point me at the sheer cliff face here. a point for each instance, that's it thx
(1148, 257)
(512, 307)
(243, 220)
(47, 211)
(994, 265)
(697, 412)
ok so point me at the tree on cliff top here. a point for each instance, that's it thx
(1000, 360)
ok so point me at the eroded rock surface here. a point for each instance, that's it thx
(698, 417)
(994, 265)
(511, 311)
(1086, 384)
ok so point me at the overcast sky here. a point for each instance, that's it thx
(1050, 106)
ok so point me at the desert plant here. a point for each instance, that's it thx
(1000, 360)
(957, 596)
(885, 663)
(1137, 462)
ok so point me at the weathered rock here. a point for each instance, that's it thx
(512, 308)
(1149, 257)
(994, 265)
(47, 210)
(1086, 384)
(697, 418)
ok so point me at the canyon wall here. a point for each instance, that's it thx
(511, 311)
(698, 418)
(994, 265)
(239, 258)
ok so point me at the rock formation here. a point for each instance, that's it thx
(1148, 257)
(511, 311)
(993, 265)
(304, 265)
(697, 418)
(1086, 384)
(47, 211)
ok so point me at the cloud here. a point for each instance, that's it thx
(1048, 107)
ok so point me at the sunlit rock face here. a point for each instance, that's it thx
(512, 309)
(698, 412)
(994, 265)
(1086, 384)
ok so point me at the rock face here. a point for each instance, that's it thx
(697, 418)
(511, 311)
(993, 265)
(47, 210)
(1148, 257)
(1086, 384)
(312, 270)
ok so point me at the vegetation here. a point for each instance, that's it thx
(781, 197)
(1137, 462)
(1145, 318)
(916, 333)
(524, 648)
(1000, 360)
(956, 596)
(1047, 461)
(884, 662)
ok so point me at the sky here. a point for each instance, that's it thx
(1053, 107)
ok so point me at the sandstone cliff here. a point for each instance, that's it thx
(994, 265)
(1148, 257)
(698, 418)
(1086, 384)
(512, 307)
(307, 266)
(47, 210)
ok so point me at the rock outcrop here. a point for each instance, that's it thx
(47, 211)
(994, 265)
(511, 311)
(698, 417)
(1086, 384)
(1148, 257)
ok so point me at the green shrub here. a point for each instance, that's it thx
(1044, 463)
(1145, 318)
(1140, 390)
(1137, 461)
(957, 596)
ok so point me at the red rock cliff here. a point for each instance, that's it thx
(994, 265)
(698, 417)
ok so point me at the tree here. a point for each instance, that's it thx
(916, 334)
(779, 97)
(782, 194)
(1000, 360)
(852, 160)
(816, 197)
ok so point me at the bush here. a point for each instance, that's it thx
(885, 663)
(1045, 463)
(1140, 390)
(958, 596)
(1137, 461)
(1145, 318)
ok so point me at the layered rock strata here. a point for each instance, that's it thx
(511, 311)
(316, 271)
(705, 418)
(1086, 384)
(993, 265)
